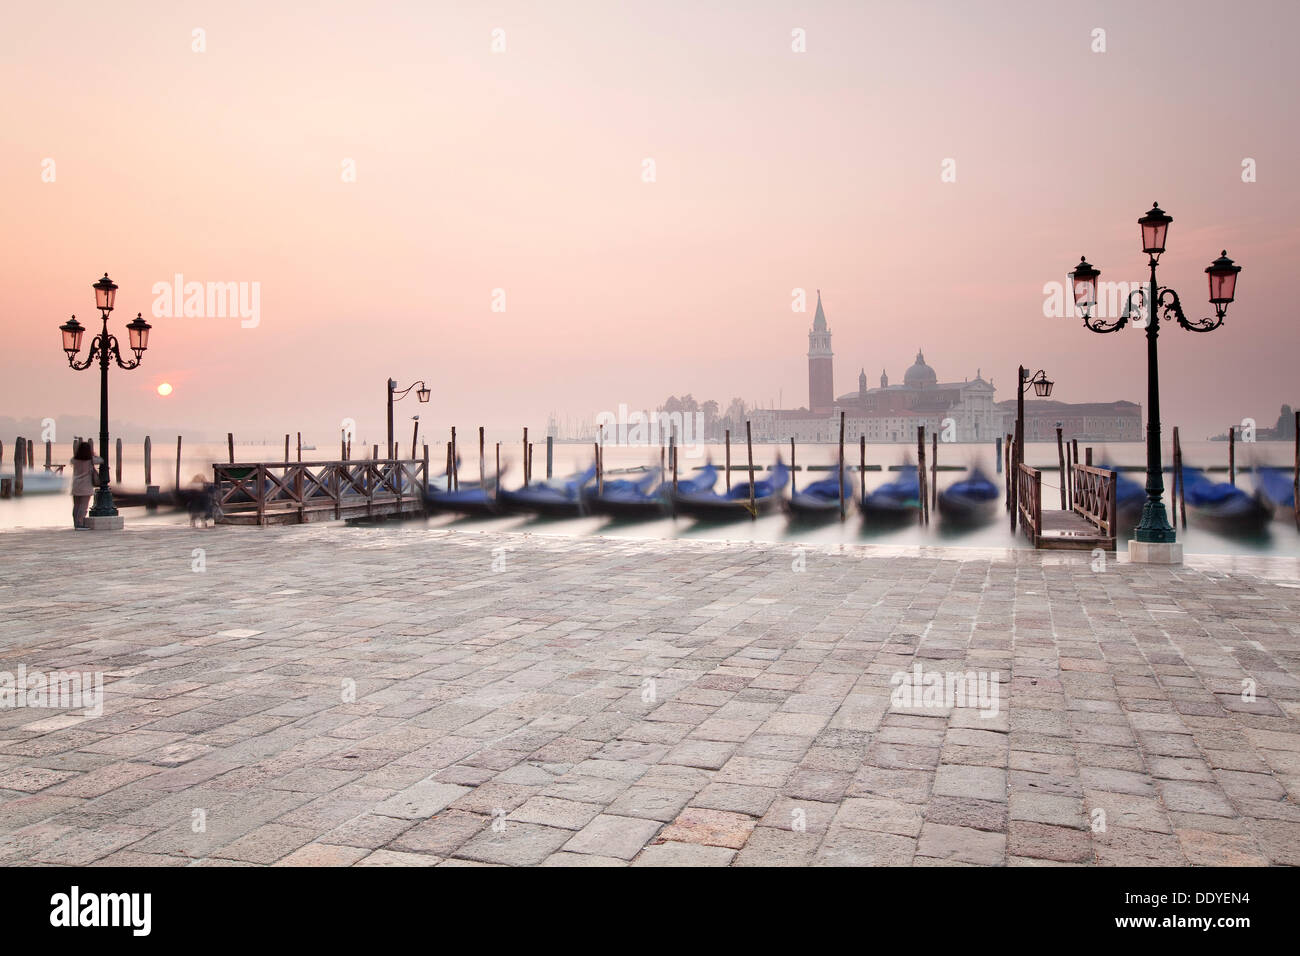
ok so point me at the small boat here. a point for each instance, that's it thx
(553, 497)
(468, 499)
(708, 505)
(629, 498)
(1275, 486)
(40, 482)
(895, 503)
(972, 501)
(1223, 507)
(820, 500)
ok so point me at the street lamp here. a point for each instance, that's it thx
(1154, 540)
(104, 346)
(395, 396)
(1042, 386)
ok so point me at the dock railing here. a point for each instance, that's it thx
(1094, 498)
(276, 492)
(1029, 501)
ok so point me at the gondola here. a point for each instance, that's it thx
(1223, 507)
(706, 505)
(468, 499)
(820, 500)
(895, 503)
(972, 501)
(629, 499)
(1275, 486)
(552, 497)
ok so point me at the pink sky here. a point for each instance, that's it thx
(522, 171)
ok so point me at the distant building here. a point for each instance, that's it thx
(1086, 421)
(962, 411)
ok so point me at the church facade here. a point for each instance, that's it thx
(963, 411)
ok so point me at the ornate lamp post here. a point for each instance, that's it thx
(1154, 540)
(104, 346)
(394, 395)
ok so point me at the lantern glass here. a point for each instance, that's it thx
(105, 294)
(1155, 226)
(139, 335)
(422, 395)
(72, 332)
(1043, 387)
(1084, 284)
(1223, 279)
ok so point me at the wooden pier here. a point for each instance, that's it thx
(262, 493)
(1090, 523)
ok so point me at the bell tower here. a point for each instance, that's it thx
(821, 388)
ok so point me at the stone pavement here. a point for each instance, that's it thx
(408, 696)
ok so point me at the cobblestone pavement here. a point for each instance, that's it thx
(407, 696)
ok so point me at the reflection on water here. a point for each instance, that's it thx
(54, 511)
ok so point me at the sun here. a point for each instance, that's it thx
(164, 389)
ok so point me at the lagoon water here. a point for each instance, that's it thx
(54, 510)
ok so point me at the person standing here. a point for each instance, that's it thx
(83, 482)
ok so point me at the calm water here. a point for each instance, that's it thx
(54, 510)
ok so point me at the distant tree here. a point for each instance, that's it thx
(1286, 423)
(710, 410)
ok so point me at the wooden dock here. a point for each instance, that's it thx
(1090, 523)
(263, 493)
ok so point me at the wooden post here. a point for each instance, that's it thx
(117, 461)
(425, 479)
(794, 482)
(1074, 458)
(300, 446)
(661, 463)
(1232, 456)
(178, 462)
(1178, 505)
(455, 462)
(749, 442)
(998, 453)
(415, 437)
(348, 451)
(1295, 475)
(843, 512)
(286, 449)
(1087, 454)
(596, 450)
(920, 473)
(862, 466)
(672, 458)
(448, 473)
(482, 462)
(31, 455)
(498, 484)
(530, 460)
(1060, 458)
(230, 445)
(148, 462)
(374, 452)
(550, 455)
(934, 472)
(49, 454)
(1006, 454)
(527, 475)
(20, 459)
(727, 439)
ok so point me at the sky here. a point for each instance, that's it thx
(408, 201)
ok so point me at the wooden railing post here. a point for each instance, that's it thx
(261, 494)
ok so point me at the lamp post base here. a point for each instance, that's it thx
(1155, 552)
(104, 522)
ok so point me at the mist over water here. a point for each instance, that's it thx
(814, 461)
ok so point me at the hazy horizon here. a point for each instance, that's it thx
(522, 171)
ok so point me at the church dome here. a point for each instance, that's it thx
(920, 375)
